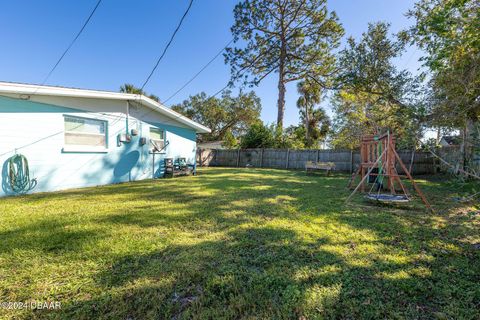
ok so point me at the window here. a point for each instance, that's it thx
(157, 139)
(82, 133)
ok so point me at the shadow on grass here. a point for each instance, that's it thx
(393, 263)
(261, 272)
(46, 236)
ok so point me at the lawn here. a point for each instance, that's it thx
(239, 243)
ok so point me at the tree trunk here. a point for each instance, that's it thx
(463, 150)
(281, 86)
(307, 122)
(471, 145)
(281, 100)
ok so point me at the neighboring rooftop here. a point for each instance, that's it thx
(450, 140)
(211, 145)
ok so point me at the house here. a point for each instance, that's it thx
(448, 141)
(211, 145)
(77, 138)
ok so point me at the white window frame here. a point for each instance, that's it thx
(150, 137)
(85, 148)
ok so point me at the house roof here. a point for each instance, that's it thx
(211, 145)
(31, 89)
(452, 140)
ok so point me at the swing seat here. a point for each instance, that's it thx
(387, 198)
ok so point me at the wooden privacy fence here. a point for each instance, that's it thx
(345, 160)
(451, 154)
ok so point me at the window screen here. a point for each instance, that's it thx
(157, 139)
(85, 132)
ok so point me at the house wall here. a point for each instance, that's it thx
(36, 130)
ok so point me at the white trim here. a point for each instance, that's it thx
(86, 133)
(26, 90)
(84, 149)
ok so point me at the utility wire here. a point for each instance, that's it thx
(221, 90)
(239, 72)
(71, 43)
(199, 72)
(168, 45)
(114, 121)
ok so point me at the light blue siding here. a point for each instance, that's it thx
(36, 130)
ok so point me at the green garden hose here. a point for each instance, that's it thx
(19, 174)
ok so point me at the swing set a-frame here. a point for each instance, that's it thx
(378, 168)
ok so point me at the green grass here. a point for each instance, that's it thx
(239, 243)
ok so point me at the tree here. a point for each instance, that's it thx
(448, 31)
(315, 121)
(222, 115)
(357, 114)
(229, 140)
(293, 38)
(367, 67)
(318, 126)
(130, 88)
(310, 95)
(258, 136)
(374, 95)
(294, 137)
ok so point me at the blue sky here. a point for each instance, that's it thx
(124, 39)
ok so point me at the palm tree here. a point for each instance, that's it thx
(310, 95)
(318, 126)
(130, 88)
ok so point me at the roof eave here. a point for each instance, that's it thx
(172, 114)
(29, 90)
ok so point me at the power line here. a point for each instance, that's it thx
(239, 72)
(88, 161)
(407, 63)
(221, 90)
(198, 73)
(229, 83)
(114, 121)
(168, 44)
(70, 46)
(72, 42)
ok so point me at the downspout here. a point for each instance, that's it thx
(153, 165)
(195, 157)
(127, 112)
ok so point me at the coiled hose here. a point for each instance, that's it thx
(19, 174)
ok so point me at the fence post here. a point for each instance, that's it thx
(351, 161)
(318, 155)
(288, 156)
(238, 157)
(261, 158)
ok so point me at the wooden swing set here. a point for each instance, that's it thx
(378, 168)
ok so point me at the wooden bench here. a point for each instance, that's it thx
(314, 166)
